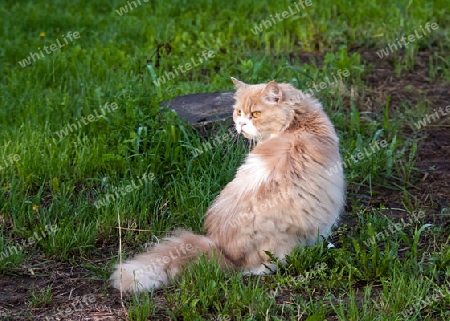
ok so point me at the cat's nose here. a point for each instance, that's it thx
(241, 124)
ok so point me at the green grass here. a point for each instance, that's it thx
(41, 297)
(56, 181)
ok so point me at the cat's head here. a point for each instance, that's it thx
(258, 111)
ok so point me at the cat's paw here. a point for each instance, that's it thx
(263, 269)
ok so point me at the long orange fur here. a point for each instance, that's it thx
(280, 198)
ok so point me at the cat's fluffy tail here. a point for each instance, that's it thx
(154, 269)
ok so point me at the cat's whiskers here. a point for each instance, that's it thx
(235, 137)
(252, 142)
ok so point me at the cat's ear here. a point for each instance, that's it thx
(272, 94)
(238, 84)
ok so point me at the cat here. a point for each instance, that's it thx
(295, 144)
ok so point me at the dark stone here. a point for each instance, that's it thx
(203, 109)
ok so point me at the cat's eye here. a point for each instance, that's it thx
(256, 114)
(238, 112)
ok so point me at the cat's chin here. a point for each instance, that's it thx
(246, 135)
(251, 137)
(243, 133)
(258, 137)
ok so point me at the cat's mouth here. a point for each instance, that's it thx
(244, 133)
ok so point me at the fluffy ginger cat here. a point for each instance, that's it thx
(280, 198)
